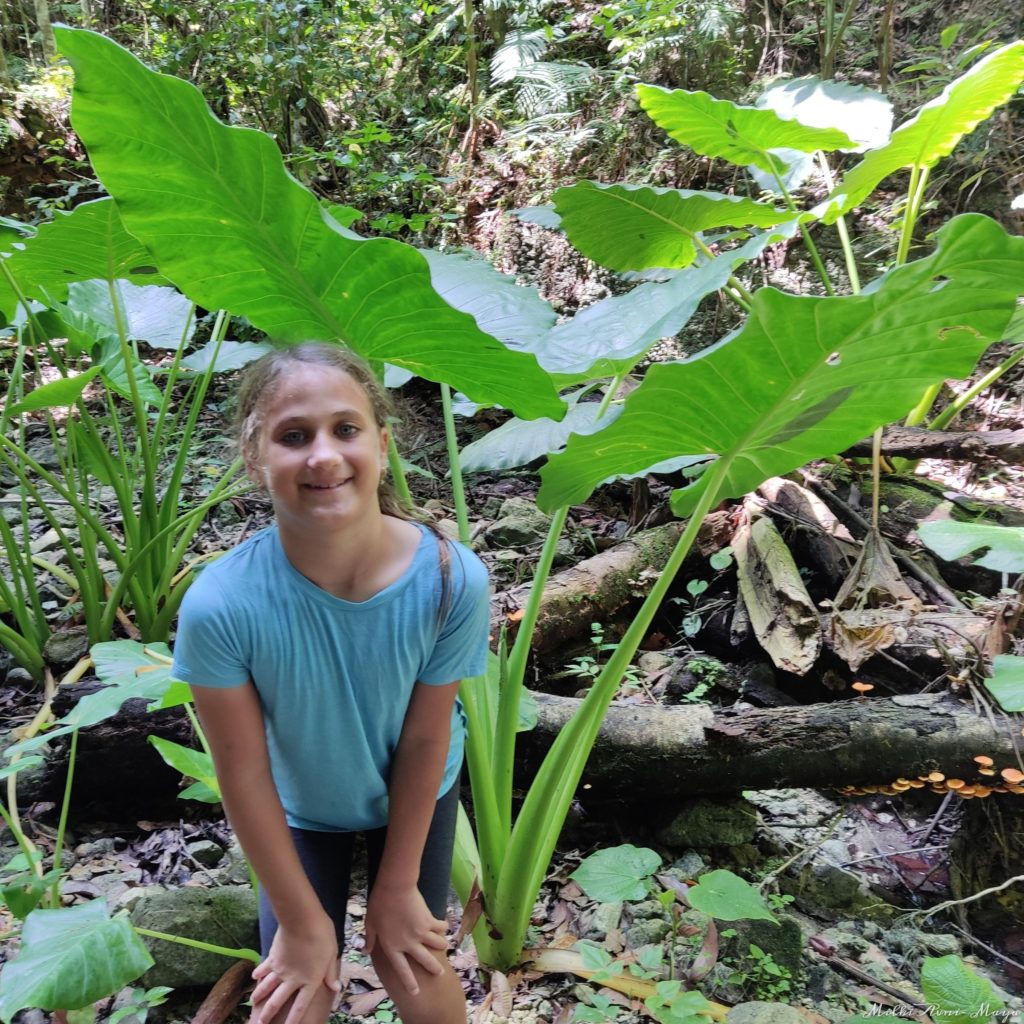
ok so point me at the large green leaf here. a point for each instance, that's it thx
(937, 127)
(807, 376)
(1007, 682)
(70, 958)
(89, 242)
(129, 669)
(511, 312)
(1003, 545)
(866, 116)
(741, 135)
(518, 442)
(955, 993)
(633, 227)
(62, 391)
(161, 317)
(610, 336)
(228, 224)
(617, 873)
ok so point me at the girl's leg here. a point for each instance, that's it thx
(440, 999)
(327, 859)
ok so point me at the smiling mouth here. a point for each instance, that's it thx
(326, 487)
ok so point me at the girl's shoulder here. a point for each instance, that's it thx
(237, 571)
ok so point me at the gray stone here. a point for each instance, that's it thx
(233, 869)
(19, 676)
(66, 648)
(48, 541)
(519, 523)
(646, 933)
(704, 824)
(605, 918)
(223, 916)
(128, 899)
(690, 864)
(205, 852)
(764, 1013)
(44, 453)
(652, 662)
(647, 909)
(99, 848)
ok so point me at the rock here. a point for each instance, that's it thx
(833, 890)
(233, 868)
(131, 897)
(224, 916)
(604, 919)
(205, 852)
(19, 676)
(519, 523)
(704, 824)
(689, 865)
(653, 662)
(913, 942)
(66, 648)
(784, 941)
(647, 933)
(646, 910)
(764, 1013)
(99, 848)
(44, 453)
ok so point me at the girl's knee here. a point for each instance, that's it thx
(440, 999)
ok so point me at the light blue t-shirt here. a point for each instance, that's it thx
(334, 677)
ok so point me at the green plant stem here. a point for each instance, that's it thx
(915, 196)
(458, 487)
(398, 480)
(236, 954)
(62, 824)
(954, 408)
(812, 249)
(739, 294)
(28, 849)
(844, 235)
(55, 570)
(543, 812)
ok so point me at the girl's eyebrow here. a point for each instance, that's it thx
(338, 413)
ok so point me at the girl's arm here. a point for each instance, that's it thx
(398, 922)
(304, 955)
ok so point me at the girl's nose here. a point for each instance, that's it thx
(324, 450)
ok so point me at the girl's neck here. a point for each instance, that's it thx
(358, 562)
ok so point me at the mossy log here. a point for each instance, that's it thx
(921, 443)
(645, 752)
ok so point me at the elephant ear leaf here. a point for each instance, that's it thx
(633, 227)
(232, 229)
(741, 135)
(806, 377)
(936, 129)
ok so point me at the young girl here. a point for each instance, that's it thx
(324, 655)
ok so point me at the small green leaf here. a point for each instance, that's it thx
(741, 135)
(21, 765)
(634, 227)
(231, 355)
(70, 958)
(1004, 545)
(728, 897)
(594, 957)
(194, 764)
(63, 391)
(115, 374)
(618, 873)
(1007, 682)
(955, 993)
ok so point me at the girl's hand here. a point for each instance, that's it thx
(400, 926)
(301, 962)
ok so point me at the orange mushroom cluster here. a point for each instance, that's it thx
(1010, 780)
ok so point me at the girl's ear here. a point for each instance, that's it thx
(254, 472)
(384, 445)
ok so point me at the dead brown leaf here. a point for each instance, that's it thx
(501, 994)
(366, 1002)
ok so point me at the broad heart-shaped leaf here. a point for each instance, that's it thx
(232, 229)
(518, 442)
(936, 129)
(955, 993)
(617, 873)
(1004, 544)
(89, 242)
(633, 227)
(70, 958)
(865, 115)
(610, 336)
(128, 670)
(159, 316)
(231, 355)
(510, 312)
(741, 135)
(1007, 682)
(806, 376)
(194, 764)
(728, 897)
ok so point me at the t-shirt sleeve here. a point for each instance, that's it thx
(207, 647)
(461, 648)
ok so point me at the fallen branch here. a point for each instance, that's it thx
(700, 749)
(972, 445)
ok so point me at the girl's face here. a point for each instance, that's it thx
(321, 454)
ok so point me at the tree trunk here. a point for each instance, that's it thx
(46, 38)
(649, 753)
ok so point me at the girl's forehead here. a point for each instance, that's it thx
(315, 383)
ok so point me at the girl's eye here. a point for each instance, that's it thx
(347, 430)
(291, 437)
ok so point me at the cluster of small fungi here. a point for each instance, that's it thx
(1010, 780)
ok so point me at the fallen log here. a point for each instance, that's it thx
(682, 751)
(972, 445)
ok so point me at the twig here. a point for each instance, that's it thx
(832, 826)
(893, 853)
(856, 972)
(988, 949)
(935, 820)
(970, 899)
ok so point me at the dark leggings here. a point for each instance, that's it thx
(327, 858)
